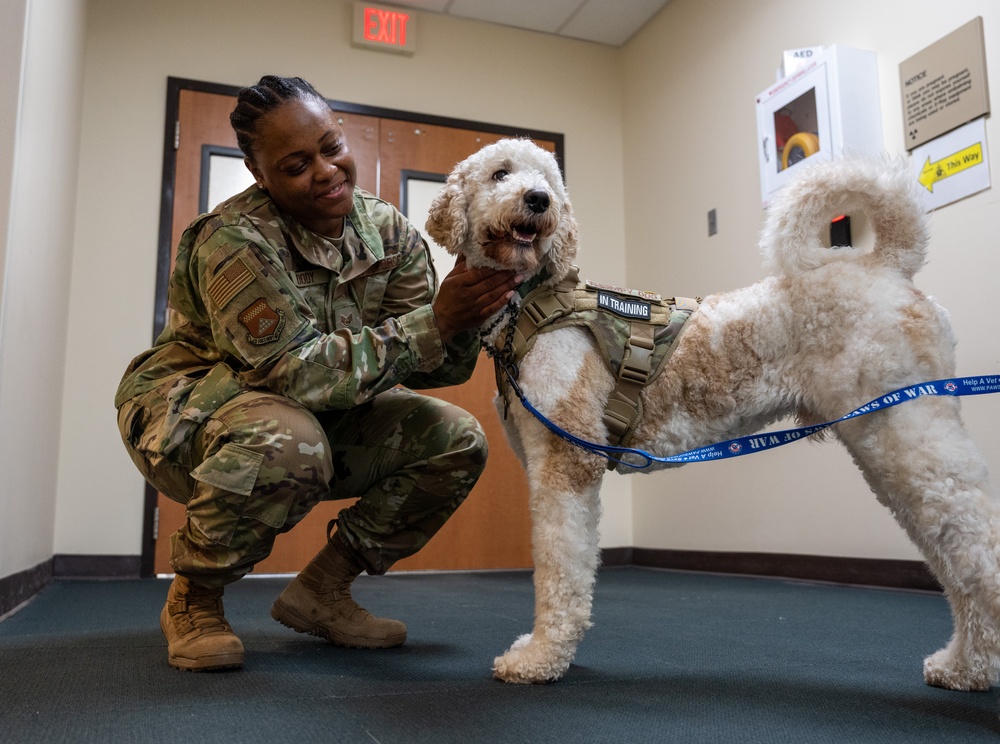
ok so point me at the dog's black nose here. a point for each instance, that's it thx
(537, 201)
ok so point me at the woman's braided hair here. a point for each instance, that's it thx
(256, 100)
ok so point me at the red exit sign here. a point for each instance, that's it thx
(381, 27)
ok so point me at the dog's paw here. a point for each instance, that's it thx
(944, 669)
(529, 663)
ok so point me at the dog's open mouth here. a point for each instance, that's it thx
(521, 235)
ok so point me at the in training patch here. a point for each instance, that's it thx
(263, 322)
(626, 307)
(229, 282)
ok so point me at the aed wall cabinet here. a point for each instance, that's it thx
(829, 106)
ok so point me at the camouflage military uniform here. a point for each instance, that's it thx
(272, 387)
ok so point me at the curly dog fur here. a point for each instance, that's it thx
(826, 331)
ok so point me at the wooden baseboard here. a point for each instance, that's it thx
(22, 586)
(96, 567)
(617, 557)
(893, 574)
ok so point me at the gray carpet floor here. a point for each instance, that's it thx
(673, 657)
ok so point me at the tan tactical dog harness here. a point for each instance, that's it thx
(634, 330)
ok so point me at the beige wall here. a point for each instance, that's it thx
(39, 128)
(461, 69)
(657, 133)
(690, 78)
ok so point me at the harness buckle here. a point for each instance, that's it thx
(618, 415)
(545, 308)
(638, 359)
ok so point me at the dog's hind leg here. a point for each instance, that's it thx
(565, 510)
(923, 466)
(969, 660)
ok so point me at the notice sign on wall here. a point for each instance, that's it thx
(944, 86)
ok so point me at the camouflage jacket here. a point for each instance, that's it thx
(256, 301)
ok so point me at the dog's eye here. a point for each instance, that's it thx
(500, 175)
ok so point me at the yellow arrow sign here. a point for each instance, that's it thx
(950, 165)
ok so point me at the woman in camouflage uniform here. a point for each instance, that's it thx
(296, 308)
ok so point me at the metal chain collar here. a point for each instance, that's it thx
(504, 361)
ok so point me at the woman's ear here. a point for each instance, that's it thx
(254, 171)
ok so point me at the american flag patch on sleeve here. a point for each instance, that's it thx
(229, 282)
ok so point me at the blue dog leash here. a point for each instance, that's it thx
(955, 386)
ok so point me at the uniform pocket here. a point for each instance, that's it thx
(131, 422)
(232, 470)
(140, 438)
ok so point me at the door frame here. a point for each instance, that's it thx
(164, 236)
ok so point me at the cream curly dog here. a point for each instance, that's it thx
(827, 331)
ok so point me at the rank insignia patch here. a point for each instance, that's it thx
(263, 322)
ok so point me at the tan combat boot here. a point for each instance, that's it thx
(198, 637)
(319, 602)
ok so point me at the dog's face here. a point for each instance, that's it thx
(506, 207)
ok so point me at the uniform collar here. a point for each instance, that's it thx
(363, 246)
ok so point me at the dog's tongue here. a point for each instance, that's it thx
(524, 237)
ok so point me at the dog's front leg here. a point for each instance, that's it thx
(565, 513)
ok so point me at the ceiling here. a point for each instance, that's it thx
(605, 21)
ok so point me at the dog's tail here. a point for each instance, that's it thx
(883, 189)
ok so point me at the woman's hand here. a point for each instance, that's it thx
(468, 297)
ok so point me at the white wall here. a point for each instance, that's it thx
(12, 38)
(690, 80)
(461, 69)
(39, 131)
(657, 133)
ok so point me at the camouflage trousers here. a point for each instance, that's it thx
(260, 462)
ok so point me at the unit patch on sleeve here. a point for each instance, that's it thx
(263, 322)
(229, 282)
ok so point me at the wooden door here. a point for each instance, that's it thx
(490, 530)
(428, 149)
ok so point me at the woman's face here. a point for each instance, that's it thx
(302, 159)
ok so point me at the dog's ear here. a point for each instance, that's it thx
(446, 220)
(565, 241)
